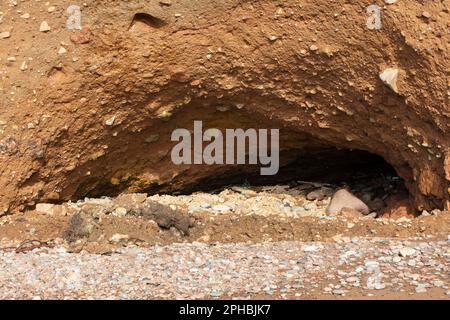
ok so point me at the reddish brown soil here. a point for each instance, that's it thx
(230, 228)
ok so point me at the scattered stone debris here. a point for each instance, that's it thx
(260, 226)
(363, 268)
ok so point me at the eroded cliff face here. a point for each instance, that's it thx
(91, 111)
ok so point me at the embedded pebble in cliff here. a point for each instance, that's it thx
(390, 76)
(24, 66)
(152, 138)
(82, 36)
(44, 27)
(222, 108)
(344, 199)
(110, 121)
(390, 1)
(62, 50)
(5, 35)
(426, 14)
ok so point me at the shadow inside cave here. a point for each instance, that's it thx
(353, 169)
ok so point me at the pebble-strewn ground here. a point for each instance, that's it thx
(358, 269)
(252, 243)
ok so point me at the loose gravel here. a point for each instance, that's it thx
(286, 270)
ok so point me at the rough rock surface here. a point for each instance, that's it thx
(90, 112)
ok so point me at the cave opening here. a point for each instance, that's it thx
(359, 171)
(366, 175)
(304, 159)
(305, 163)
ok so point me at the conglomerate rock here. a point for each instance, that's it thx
(91, 111)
